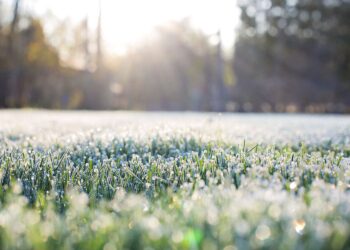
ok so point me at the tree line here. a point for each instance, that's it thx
(33, 74)
(294, 55)
(290, 55)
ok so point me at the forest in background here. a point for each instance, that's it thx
(289, 56)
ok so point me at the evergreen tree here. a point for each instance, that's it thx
(297, 49)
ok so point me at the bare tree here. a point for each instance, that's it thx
(216, 87)
(1, 15)
(99, 37)
(12, 44)
(86, 44)
(219, 96)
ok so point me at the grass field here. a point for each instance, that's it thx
(118, 180)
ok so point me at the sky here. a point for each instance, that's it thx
(126, 22)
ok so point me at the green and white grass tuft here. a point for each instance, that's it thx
(109, 180)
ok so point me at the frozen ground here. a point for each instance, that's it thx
(57, 126)
(133, 180)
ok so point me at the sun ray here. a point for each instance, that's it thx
(128, 22)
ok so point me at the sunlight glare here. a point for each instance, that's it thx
(125, 23)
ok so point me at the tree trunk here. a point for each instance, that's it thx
(12, 44)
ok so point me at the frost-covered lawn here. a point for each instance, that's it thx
(118, 180)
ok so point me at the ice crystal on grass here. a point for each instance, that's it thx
(149, 181)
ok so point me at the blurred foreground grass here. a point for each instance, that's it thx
(166, 181)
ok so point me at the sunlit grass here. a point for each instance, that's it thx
(105, 191)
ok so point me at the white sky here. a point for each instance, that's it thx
(127, 21)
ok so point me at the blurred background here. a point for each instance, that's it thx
(200, 55)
